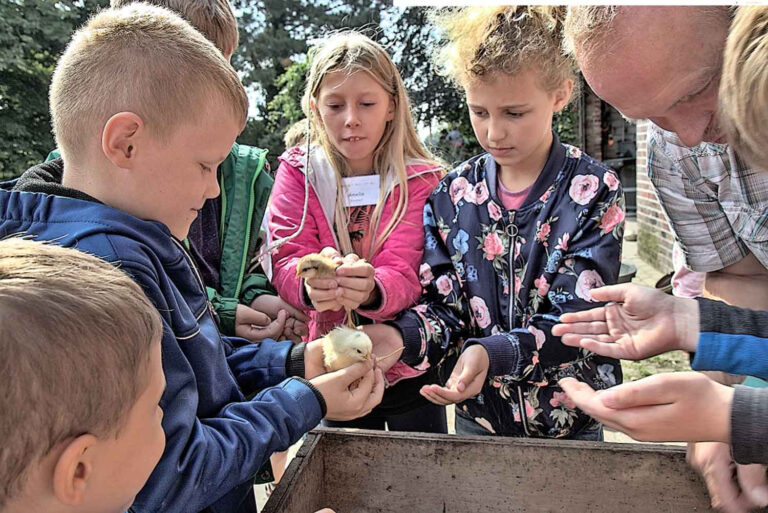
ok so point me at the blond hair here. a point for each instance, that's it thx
(482, 41)
(352, 52)
(744, 85)
(75, 335)
(296, 134)
(214, 18)
(142, 59)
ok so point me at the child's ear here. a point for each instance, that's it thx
(314, 111)
(563, 95)
(73, 470)
(391, 109)
(119, 140)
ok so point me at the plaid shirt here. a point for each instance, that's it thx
(715, 203)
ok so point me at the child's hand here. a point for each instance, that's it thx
(355, 278)
(639, 323)
(324, 293)
(466, 379)
(732, 490)
(386, 340)
(295, 324)
(256, 326)
(347, 403)
(672, 407)
(313, 359)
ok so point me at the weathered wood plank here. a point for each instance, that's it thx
(302, 487)
(381, 472)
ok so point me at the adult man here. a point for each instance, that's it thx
(664, 64)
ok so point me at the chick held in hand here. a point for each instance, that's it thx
(318, 265)
(344, 346)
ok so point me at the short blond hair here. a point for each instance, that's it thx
(75, 335)
(296, 134)
(482, 41)
(142, 59)
(214, 18)
(744, 85)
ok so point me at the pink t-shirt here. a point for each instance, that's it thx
(510, 199)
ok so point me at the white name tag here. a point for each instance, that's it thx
(361, 190)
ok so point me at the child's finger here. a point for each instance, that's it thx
(570, 318)
(377, 393)
(322, 283)
(591, 327)
(653, 390)
(616, 293)
(428, 392)
(609, 349)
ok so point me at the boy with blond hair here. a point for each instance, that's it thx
(81, 377)
(226, 234)
(144, 109)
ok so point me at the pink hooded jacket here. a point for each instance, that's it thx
(397, 261)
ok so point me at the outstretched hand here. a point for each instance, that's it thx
(466, 379)
(639, 322)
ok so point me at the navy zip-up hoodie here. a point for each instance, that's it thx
(216, 440)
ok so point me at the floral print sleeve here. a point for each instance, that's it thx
(503, 278)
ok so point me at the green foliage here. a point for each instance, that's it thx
(274, 36)
(33, 33)
(565, 124)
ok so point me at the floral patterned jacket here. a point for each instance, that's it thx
(503, 278)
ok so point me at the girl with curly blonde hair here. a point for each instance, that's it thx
(515, 236)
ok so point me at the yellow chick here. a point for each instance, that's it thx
(345, 346)
(315, 265)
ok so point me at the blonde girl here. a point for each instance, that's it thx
(363, 184)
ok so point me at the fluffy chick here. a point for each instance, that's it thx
(315, 265)
(345, 346)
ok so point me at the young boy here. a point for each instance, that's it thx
(225, 236)
(81, 378)
(144, 109)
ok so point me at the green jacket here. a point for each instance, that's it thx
(245, 190)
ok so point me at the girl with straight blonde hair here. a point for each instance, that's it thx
(355, 192)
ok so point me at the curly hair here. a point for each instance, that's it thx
(744, 85)
(480, 41)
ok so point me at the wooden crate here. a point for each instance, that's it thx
(382, 472)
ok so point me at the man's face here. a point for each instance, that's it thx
(663, 64)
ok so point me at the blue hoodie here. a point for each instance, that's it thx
(216, 440)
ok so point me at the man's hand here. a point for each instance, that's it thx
(386, 341)
(732, 488)
(345, 402)
(295, 325)
(673, 407)
(256, 326)
(640, 322)
(466, 380)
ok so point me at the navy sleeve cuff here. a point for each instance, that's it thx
(320, 398)
(503, 353)
(294, 366)
(410, 330)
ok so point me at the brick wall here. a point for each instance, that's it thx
(592, 123)
(654, 237)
